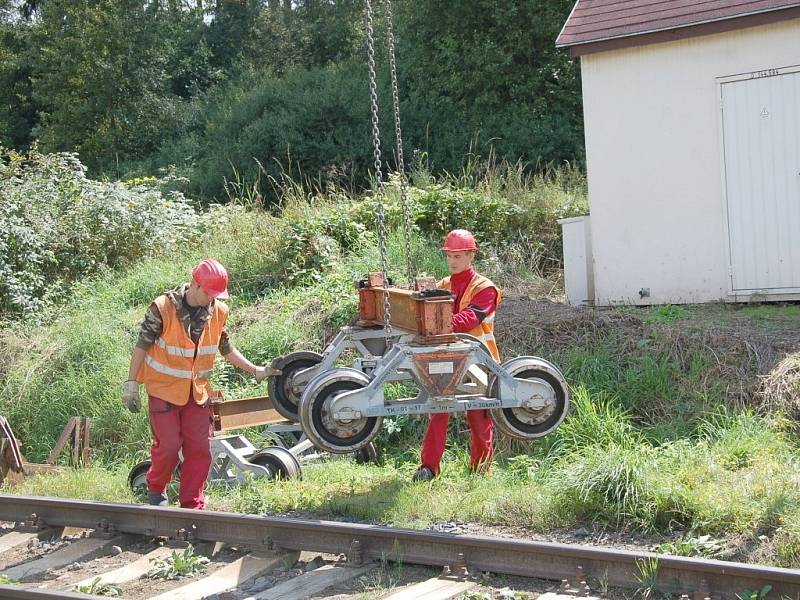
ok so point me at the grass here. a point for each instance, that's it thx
(671, 432)
(737, 480)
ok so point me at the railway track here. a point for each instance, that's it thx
(358, 546)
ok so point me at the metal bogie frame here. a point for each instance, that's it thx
(341, 409)
(234, 459)
(369, 342)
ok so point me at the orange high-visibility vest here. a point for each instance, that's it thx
(174, 365)
(485, 329)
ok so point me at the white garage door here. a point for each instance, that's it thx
(761, 137)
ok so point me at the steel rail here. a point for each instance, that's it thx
(370, 542)
(13, 592)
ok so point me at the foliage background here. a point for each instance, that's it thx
(247, 90)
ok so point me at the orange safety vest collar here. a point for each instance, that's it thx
(485, 329)
(174, 366)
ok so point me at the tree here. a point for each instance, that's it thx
(487, 71)
(17, 107)
(109, 73)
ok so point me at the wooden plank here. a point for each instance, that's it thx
(229, 577)
(86, 459)
(60, 558)
(62, 440)
(433, 589)
(75, 453)
(554, 596)
(309, 584)
(14, 539)
(129, 572)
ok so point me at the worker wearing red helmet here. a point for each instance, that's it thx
(179, 338)
(475, 301)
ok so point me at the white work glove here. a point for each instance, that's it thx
(130, 396)
(263, 372)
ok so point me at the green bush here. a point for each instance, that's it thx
(57, 226)
(309, 122)
(312, 246)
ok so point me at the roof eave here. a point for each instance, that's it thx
(651, 36)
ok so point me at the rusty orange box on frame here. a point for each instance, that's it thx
(410, 310)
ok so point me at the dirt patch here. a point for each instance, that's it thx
(754, 355)
(526, 325)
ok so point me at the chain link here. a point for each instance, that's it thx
(401, 169)
(376, 153)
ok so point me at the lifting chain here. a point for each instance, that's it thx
(401, 169)
(376, 153)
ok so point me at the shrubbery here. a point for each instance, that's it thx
(57, 226)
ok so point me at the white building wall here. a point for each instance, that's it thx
(654, 156)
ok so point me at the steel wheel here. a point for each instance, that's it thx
(325, 432)
(137, 478)
(280, 463)
(283, 392)
(524, 423)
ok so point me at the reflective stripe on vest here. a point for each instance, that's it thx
(187, 352)
(485, 329)
(176, 369)
(161, 368)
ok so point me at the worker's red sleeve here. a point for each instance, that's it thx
(482, 305)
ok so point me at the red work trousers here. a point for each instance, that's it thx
(176, 428)
(481, 432)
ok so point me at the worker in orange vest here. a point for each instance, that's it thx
(179, 338)
(475, 301)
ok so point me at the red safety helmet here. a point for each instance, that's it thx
(459, 240)
(212, 277)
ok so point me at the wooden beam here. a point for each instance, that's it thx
(138, 568)
(229, 577)
(69, 428)
(244, 412)
(433, 589)
(76, 551)
(311, 584)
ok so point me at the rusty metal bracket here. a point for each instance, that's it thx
(33, 523)
(11, 459)
(424, 283)
(105, 530)
(577, 587)
(457, 570)
(441, 381)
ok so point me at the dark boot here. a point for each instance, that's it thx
(157, 499)
(423, 474)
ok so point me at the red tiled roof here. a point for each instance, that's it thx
(598, 20)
